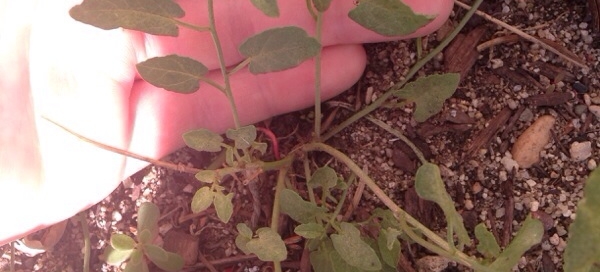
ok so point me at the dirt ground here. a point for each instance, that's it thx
(506, 87)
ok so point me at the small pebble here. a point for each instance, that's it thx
(580, 151)
(595, 109)
(580, 87)
(531, 182)
(469, 204)
(526, 149)
(476, 188)
(554, 239)
(534, 206)
(580, 109)
(591, 164)
(500, 212)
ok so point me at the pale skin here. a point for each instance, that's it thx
(85, 79)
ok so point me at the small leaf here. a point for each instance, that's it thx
(429, 93)
(136, 267)
(202, 199)
(229, 156)
(268, 7)
(151, 16)
(327, 259)
(173, 73)
(321, 5)
(243, 137)
(244, 230)
(310, 230)
(354, 250)
(324, 177)
(529, 235)
(387, 17)
(155, 253)
(388, 220)
(297, 208)
(207, 176)
(268, 246)
(244, 236)
(137, 256)
(583, 246)
(389, 247)
(203, 140)
(429, 186)
(224, 206)
(113, 256)
(148, 216)
(488, 246)
(145, 236)
(122, 242)
(260, 147)
(279, 49)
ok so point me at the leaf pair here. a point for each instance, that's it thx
(268, 246)
(123, 247)
(207, 195)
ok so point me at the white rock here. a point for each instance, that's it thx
(591, 164)
(580, 151)
(526, 149)
(469, 204)
(432, 264)
(508, 162)
(595, 109)
(534, 206)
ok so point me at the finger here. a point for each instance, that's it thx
(238, 20)
(161, 117)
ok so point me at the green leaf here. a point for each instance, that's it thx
(354, 250)
(202, 199)
(122, 242)
(244, 230)
(389, 246)
(145, 236)
(297, 208)
(529, 235)
(429, 93)
(268, 7)
(155, 253)
(173, 73)
(388, 17)
(151, 16)
(244, 236)
(279, 49)
(324, 177)
(136, 263)
(488, 246)
(327, 259)
(165, 260)
(223, 206)
(243, 137)
(113, 256)
(148, 216)
(429, 186)
(310, 230)
(203, 140)
(207, 176)
(269, 246)
(260, 147)
(321, 5)
(388, 220)
(583, 246)
(229, 156)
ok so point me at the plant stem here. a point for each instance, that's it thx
(276, 206)
(399, 135)
(215, 36)
(192, 26)
(308, 176)
(413, 70)
(239, 66)
(213, 83)
(443, 244)
(87, 247)
(318, 79)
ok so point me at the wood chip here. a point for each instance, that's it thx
(553, 72)
(462, 53)
(485, 135)
(549, 99)
(518, 76)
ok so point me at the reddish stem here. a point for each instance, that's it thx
(273, 139)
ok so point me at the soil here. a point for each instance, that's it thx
(504, 89)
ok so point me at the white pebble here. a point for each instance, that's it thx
(595, 109)
(554, 239)
(500, 212)
(534, 206)
(469, 204)
(580, 151)
(116, 216)
(591, 165)
(531, 182)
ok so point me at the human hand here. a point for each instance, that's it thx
(85, 79)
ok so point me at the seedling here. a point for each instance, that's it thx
(137, 252)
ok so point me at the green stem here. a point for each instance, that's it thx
(308, 175)
(87, 246)
(399, 135)
(318, 78)
(215, 36)
(240, 66)
(442, 243)
(413, 70)
(213, 83)
(276, 207)
(192, 26)
(419, 45)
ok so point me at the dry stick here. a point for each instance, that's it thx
(226, 261)
(522, 34)
(126, 153)
(207, 263)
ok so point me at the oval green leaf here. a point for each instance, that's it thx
(488, 246)
(144, 236)
(268, 7)
(244, 236)
(279, 49)
(243, 137)
(269, 246)
(583, 246)
(429, 93)
(224, 206)
(202, 199)
(326, 259)
(136, 263)
(155, 253)
(207, 176)
(530, 234)
(354, 250)
(203, 140)
(310, 230)
(324, 177)
(148, 216)
(297, 208)
(388, 17)
(173, 73)
(321, 5)
(116, 257)
(122, 242)
(151, 16)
